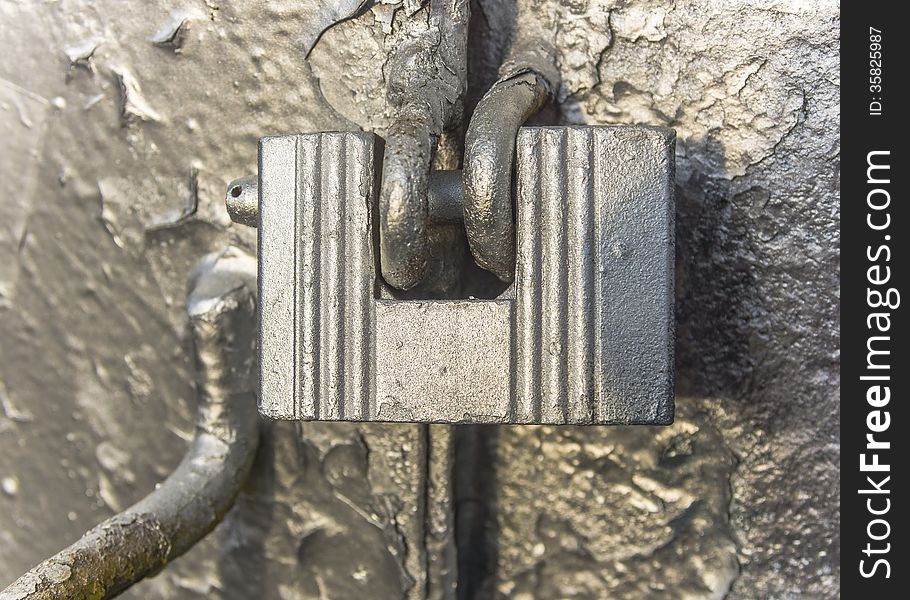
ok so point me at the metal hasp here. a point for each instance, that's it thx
(583, 336)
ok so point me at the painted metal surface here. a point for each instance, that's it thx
(490, 157)
(317, 276)
(427, 77)
(584, 337)
(120, 189)
(594, 302)
(143, 539)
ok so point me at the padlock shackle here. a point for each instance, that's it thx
(488, 165)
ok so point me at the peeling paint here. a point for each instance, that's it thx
(706, 506)
(173, 33)
(133, 105)
(80, 54)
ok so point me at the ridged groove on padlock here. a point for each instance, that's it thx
(591, 322)
(335, 276)
(316, 276)
(554, 311)
(592, 315)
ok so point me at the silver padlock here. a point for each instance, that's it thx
(583, 336)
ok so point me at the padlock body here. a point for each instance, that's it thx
(584, 335)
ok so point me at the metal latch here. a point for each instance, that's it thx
(584, 335)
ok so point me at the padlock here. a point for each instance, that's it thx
(584, 335)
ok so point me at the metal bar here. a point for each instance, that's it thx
(445, 198)
(144, 538)
(242, 201)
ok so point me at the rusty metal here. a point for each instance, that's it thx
(141, 540)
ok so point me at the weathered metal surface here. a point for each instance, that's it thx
(444, 361)
(96, 383)
(144, 538)
(86, 322)
(489, 160)
(445, 197)
(752, 92)
(594, 303)
(242, 200)
(426, 75)
(620, 507)
(587, 339)
(317, 276)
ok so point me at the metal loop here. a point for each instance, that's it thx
(426, 76)
(403, 205)
(487, 176)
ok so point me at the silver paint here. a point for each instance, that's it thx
(141, 540)
(588, 338)
(92, 336)
(426, 77)
(490, 156)
(242, 200)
